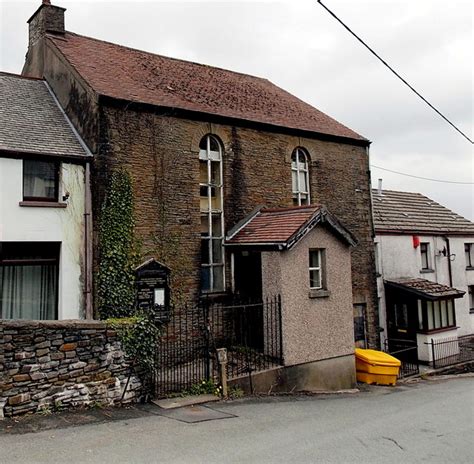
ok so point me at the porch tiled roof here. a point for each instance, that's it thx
(283, 227)
(124, 73)
(426, 288)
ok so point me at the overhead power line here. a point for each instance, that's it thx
(393, 71)
(424, 178)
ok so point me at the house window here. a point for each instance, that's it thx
(401, 315)
(425, 256)
(40, 180)
(440, 314)
(212, 216)
(300, 177)
(471, 298)
(469, 252)
(29, 280)
(316, 269)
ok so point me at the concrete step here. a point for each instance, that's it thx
(180, 402)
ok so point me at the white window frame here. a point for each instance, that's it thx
(299, 168)
(208, 156)
(428, 257)
(320, 268)
(470, 291)
(469, 254)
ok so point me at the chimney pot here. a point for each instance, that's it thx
(380, 187)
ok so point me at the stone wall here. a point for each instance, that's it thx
(161, 153)
(55, 364)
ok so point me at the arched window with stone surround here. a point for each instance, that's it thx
(212, 214)
(300, 177)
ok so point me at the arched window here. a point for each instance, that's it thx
(300, 177)
(212, 214)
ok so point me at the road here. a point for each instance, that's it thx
(431, 421)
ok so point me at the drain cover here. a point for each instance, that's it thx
(192, 414)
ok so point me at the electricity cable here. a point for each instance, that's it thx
(423, 178)
(393, 71)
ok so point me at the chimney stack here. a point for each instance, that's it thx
(46, 19)
(380, 187)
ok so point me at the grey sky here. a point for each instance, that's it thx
(299, 47)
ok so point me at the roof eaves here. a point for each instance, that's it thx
(437, 233)
(280, 246)
(425, 294)
(310, 224)
(18, 153)
(338, 227)
(231, 120)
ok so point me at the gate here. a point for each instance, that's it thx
(407, 352)
(186, 350)
(182, 357)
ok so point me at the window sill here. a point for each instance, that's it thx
(469, 268)
(319, 293)
(43, 204)
(434, 331)
(426, 271)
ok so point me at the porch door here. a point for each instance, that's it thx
(248, 289)
(402, 315)
(248, 275)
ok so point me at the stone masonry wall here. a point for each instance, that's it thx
(55, 364)
(162, 155)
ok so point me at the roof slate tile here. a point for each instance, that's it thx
(406, 212)
(124, 73)
(31, 121)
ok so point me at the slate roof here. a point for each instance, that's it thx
(425, 288)
(31, 120)
(413, 213)
(282, 228)
(133, 75)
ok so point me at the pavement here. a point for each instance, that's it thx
(421, 421)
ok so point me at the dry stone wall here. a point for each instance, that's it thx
(56, 364)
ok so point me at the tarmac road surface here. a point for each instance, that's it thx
(430, 421)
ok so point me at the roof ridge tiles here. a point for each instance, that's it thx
(20, 76)
(182, 60)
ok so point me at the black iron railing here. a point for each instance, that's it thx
(451, 350)
(185, 353)
(251, 333)
(407, 352)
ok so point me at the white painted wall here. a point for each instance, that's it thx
(398, 258)
(37, 224)
(425, 351)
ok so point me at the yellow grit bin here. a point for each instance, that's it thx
(374, 366)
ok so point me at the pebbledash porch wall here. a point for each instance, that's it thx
(320, 328)
(161, 152)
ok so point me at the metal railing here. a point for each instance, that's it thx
(185, 352)
(407, 352)
(451, 350)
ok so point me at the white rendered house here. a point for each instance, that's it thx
(45, 224)
(425, 269)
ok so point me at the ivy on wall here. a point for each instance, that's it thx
(118, 249)
(138, 335)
